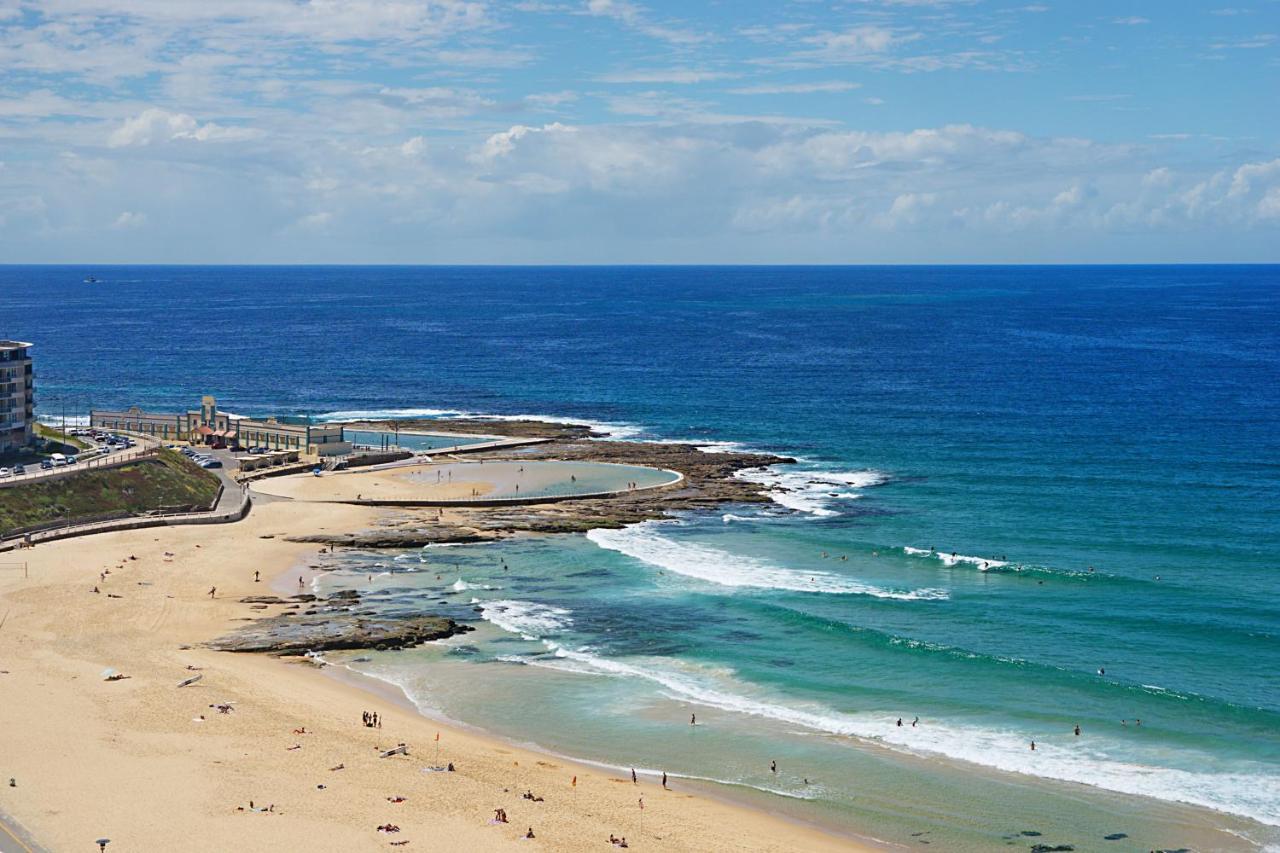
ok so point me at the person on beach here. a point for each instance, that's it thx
(899, 722)
(213, 590)
(693, 719)
(1033, 746)
(1077, 730)
(773, 766)
(634, 781)
(529, 834)
(299, 581)
(664, 781)
(915, 722)
(255, 576)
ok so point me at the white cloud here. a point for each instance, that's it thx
(155, 125)
(825, 87)
(855, 43)
(1131, 21)
(664, 75)
(638, 18)
(128, 220)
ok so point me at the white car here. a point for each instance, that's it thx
(5, 472)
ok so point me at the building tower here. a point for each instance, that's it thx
(17, 396)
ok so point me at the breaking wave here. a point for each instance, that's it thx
(644, 542)
(813, 491)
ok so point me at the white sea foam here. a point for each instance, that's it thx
(530, 620)
(955, 559)
(608, 429)
(811, 491)
(645, 542)
(1247, 790)
(461, 586)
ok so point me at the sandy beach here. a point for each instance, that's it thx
(154, 767)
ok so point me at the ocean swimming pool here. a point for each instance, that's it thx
(510, 480)
(413, 440)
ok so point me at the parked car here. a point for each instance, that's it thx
(5, 472)
(72, 458)
(46, 465)
(211, 463)
(58, 459)
(19, 469)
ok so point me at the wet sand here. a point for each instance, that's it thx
(153, 766)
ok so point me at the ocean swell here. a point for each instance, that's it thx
(644, 542)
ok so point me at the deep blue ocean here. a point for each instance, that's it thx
(1028, 498)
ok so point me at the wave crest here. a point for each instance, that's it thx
(643, 542)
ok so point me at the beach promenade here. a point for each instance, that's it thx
(152, 765)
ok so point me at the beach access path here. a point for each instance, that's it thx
(154, 766)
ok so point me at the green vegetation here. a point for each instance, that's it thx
(56, 435)
(166, 481)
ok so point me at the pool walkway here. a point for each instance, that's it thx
(419, 456)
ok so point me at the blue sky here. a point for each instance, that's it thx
(621, 131)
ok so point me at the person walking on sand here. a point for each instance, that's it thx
(213, 591)
(255, 576)
(634, 781)
(773, 766)
(664, 781)
(693, 719)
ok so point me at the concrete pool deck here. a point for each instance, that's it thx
(493, 483)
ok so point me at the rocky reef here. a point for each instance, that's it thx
(338, 622)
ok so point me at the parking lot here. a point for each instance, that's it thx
(104, 447)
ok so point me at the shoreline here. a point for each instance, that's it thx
(285, 533)
(718, 791)
(98, 758)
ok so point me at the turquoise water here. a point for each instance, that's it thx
(411, 441)
(1053, 419)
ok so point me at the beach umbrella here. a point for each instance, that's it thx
(102, 843)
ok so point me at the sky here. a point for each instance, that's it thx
(639, 131)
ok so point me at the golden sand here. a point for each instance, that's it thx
(133, 760)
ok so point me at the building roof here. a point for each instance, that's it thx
(14, 344)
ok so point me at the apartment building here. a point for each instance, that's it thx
(17, 396)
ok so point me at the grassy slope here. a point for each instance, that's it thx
(168, 480)
(54, 434)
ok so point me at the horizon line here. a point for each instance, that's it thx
(621, 264)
